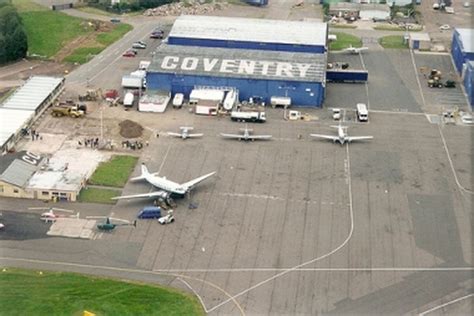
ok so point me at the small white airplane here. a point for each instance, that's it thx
(354, 50)
(185, 133)
(246, 135)
(342, 136)
(51, 215)
(167, 187)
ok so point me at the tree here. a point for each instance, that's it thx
(13, 40)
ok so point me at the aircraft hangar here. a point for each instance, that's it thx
(264, 58)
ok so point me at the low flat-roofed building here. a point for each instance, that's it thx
(16, 169)
(21, 109)
(420, 41)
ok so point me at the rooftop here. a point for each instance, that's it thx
(18, 172)
(239, 63)
(11, 121)
(33, 93)
(467, 38)
(250, 30)
(418, 36)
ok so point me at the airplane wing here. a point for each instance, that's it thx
(237, 136)
(330, 137)
(174, 134)
(195, 135)
(351, 138)
(154, 194)
(192, 183)
(259, 136)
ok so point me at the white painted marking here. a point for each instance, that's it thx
(446, 304)
(164, 159)
(463, 189)
(195, 293)
(374, 269)
(395, 112)
(349, 236)
(366, 83)
(417, 78)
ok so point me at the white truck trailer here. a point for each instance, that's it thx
(132, 82)
(251, 116)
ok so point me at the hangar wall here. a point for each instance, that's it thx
(469, 82)
(461, 54)
(301, 93)
(247, 45)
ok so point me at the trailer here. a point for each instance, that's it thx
(252, 116)
(347, 76)
(280, 101)
(132, 82)
(128, 100)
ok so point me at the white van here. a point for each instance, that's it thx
(362, 112)
(178, 100)
(128, 100)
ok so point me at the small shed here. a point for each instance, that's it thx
(420, 41)
(344, 9)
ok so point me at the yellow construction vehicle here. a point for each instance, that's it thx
(72, 111)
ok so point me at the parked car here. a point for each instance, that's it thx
(444, 27)
(139, 45)
(130, 53)
(467, 119)
(336, 114)
(157, 34)
(115, 20)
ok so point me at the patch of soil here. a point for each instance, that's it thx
(130, 129)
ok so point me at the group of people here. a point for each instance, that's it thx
(90, 142)
(35, 135)
(134, 145)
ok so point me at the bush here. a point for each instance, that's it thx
(13, 41)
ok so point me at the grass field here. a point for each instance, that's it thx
(83, 54)
(344, 40)
(49, 31)
(95, 11)
(115, 172)
(54, 293)
(392, 41)
(98, 195)
(114, 35)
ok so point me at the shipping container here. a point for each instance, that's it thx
(347, 75)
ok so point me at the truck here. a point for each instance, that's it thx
(280, 101)
(362, 112)
(251, 116)
(128, 100)
(72, 111)
(347, 76)
(132, 82)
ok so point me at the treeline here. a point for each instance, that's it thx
(13, 41)
(127, 6)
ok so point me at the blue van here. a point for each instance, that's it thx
(149, 212)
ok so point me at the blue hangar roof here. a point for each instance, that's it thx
(467, 39)
(250, 30)
(239, 63)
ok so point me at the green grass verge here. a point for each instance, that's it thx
(114, 35)
(392, 41)
(28, 292)
(344, 40)
(385, 27)
(115, 172)
(343, 26)
(83, 55)
(49, 31)
(96, 195)
(95, 11)
(28, 5)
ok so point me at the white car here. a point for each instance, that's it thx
(444, 27)
(467, 119)
(178, 100)
(140, 45)
(336, 114)
(167, 219)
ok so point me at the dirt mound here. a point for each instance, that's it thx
(130, 129)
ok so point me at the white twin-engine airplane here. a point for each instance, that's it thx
(167, 187)
(246, 135)
(342, 136)
(185, 133)
(355, 50)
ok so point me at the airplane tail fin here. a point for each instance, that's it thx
(144, 174)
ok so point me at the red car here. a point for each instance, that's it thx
(130, 53)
